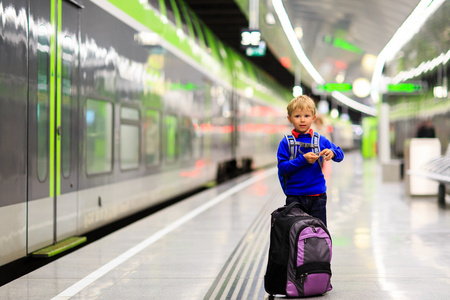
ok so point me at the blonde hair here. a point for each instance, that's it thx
(302, 102)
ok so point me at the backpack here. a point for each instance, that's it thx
(295, 150)
(299, 254)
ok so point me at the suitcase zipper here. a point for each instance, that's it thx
(304, 277)
(313, 229)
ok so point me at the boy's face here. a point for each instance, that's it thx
(302, 120)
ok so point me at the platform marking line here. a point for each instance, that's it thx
(241, 273)
(92, 277)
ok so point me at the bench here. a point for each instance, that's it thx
(438, 170)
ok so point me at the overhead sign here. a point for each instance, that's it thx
(343, 44)
(250, 38)
(256, 51)
(332, 87)
(406, 88)
(250, 51)
(252, 43)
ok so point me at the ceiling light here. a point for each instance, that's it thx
(354, 104)
(361, 87)
(443, 58)
(295, 44)
(405, 32)
(298, 32)
(270, 19)
(334, 113)
(368, 62)
(297, 91)
(340, 77)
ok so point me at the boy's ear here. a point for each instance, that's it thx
(314, 118)
(289, 119)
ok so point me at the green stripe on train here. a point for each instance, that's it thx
(52, 103)
(58, 98)
(60, 247)
(154, 22)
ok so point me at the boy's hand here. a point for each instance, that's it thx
(327, 154)
(311, 157)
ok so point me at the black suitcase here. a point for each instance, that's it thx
(299, 254)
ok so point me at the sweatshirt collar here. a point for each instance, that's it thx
(296, 134)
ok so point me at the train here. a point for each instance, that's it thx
(111, 107)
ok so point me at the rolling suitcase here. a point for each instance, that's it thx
(299, 254)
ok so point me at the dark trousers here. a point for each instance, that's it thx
(315, 206)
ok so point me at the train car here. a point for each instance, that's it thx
(110, 107)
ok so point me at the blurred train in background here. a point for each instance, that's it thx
(109, 109)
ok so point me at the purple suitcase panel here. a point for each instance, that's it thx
(319, 253)
(313, 245)
(291, 289)
(316, 284)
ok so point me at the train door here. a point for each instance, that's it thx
(53, 122)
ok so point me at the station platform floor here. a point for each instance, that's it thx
(213, 245)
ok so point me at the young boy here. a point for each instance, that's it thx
(302, 178)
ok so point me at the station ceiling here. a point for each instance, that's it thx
(337, 36)
(226, 20)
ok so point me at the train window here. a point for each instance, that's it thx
(129, 138)
(170, 138)
(213, 42)
(184, 20)
(99, 136)
(221, 53)
(66, 102)
(203, 34)
(169, 11)
(197, 138)
(43, 64)
(154, 4)
(127, 113)
(197, 31)
(152, 140)
(129, 146)
(186, 138)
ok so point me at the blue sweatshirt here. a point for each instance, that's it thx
(297, 176)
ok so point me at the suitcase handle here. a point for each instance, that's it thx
(286, 209)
